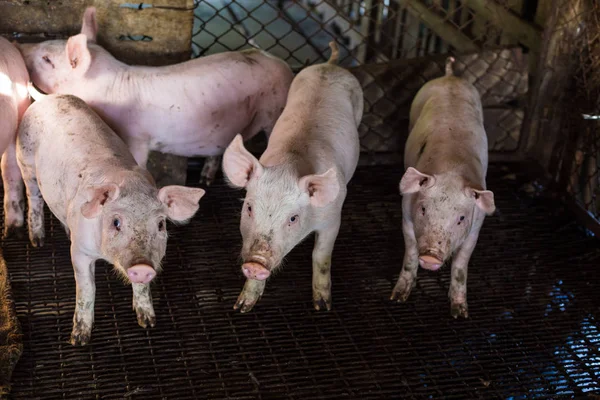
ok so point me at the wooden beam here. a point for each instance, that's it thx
(523, 31)
(440, 26)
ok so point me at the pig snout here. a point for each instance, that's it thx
(430, 262)
(256, 271)
(141, 272)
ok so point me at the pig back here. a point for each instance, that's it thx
(67, 144)
(320, 120)
(447, 132)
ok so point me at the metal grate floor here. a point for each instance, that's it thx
(533, 303)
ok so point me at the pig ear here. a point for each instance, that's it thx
(484, 199)
(97, 197)
(89, 26)
(181, 201)
(78, 54)
(413, 181)
(239, 165)
(322, 189)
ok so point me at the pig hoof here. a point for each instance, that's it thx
(146, 319)
(37, 241)
(13, 231)
(80, 337)
(459, 310)
(246, 302)
(401, 293)
(322, 301)
(206, 180)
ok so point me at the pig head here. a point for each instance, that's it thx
(131, 219)
(442, 209)
(280, 209)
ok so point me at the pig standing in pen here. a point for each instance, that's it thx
(14, 100)
(189, 109)
(299, 184)
(445, 200)
(109, 205)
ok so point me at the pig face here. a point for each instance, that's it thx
(55, 65)
(279, 210)
(443, 209)
(133, 224)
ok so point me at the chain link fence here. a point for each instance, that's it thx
(384, 32)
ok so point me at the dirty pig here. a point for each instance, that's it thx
(444, 196)
(109, 205)
(194, 108)
(299, 184)
(14, 100)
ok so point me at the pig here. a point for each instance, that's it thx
(14, 100)
(444, 196)
(194, 108)
(111, 209)
(298, 185)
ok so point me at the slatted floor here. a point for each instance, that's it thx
(533, 303)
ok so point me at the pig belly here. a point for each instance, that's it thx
(203, 137)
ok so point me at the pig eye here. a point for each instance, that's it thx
(294, 219)
(47, 59)
(462, 218)
(249, 210)
(161, 225)
(117, 224)
(423, 210)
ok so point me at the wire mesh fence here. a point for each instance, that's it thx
(384, 31)
(564, 123)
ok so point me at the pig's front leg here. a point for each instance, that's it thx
(458, 282)
(410, 265)
(142, 304)
(251, 293)
(139, 148)
(210, 169)
(14, 204)
(83, 320)
(321, 260)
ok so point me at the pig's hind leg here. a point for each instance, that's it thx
(142, 304)
(14, 204)
(410, 265)
(321, 261)
(35, 201)
(210, 169)
(252, 292)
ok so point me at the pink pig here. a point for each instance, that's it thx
(14, 100)
(299, 184)
(110, 206)
(445, 200)
(194, 108)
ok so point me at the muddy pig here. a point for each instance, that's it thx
(194, 108)
(299, 184)
(109, 205)
(14, 100)
(444, 196)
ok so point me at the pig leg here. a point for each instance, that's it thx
(35, 201)
(458, 283)
(140, 149)
(14, 204)
(321, 259)
(83, 319)
(142, 304)
(210, 169)
(251, 293)
(410, 265)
